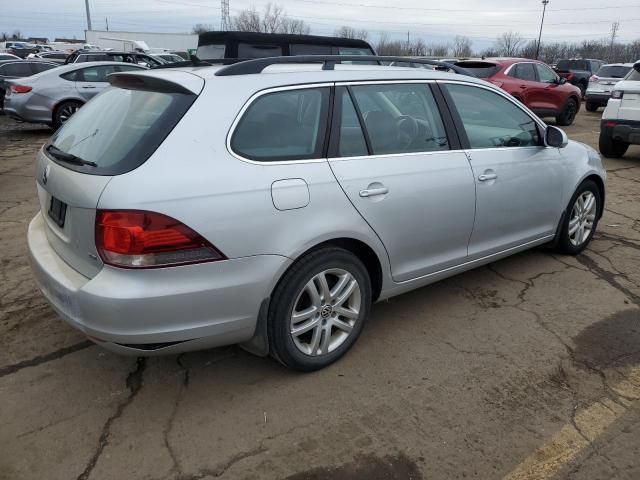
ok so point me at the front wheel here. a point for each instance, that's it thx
(568, 115)
(318, 309)
(612, 148)
(580, 219)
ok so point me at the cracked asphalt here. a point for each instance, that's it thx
(527, 368)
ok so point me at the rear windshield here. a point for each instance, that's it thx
(572, 65)
(613, 71)
(480, 69)
(120, 129)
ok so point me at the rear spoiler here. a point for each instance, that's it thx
(182, 82)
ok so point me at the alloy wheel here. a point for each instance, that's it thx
(583, 216)
(325, 312)
(67, 111)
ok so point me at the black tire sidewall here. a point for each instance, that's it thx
(281, 343)
(565, 245)
(563, 119)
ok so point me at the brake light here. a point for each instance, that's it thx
(594, 78)
(141, 239)
(610, 124)
(617, 94)
(20, 89)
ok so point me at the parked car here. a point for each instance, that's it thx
(135, 58)
(169, 57)
(8, 56)
(244, 45)
(52, 56)
(18, 69)
(52, 97)
(578, 71)
(601, 84)
(182, 210)
(531, 82)
(20, 49)
(620, 124)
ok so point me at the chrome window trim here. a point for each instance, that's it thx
(248, 103)
(408, 154)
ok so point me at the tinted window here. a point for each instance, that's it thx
(302, 49)
(72, 76)
(351, 142)
(545, 74)
(17, 70)
(287, 125)
(572, 65)
(119, 129)
(401, 118)
(524, 71)
(211, 51)
(480, 69)
(95, 74)
(613, 71)
(38, 67)
(246, 50)
(491, 121)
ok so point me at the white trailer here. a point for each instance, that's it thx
(128, 41)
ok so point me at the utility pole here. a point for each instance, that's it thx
(614, 34)
(86, 4)
(225, 23)
(106, 22)
(544, 9)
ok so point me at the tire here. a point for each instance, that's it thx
(591, 107)
(64, 111)
(568, 114)
(295, 293)
(612, 148)
(583, 88)
(585, 214)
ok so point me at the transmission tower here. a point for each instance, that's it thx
(225, 23)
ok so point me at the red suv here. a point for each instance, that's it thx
(531, 82)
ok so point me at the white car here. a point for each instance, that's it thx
(601, 84)
(620, 125)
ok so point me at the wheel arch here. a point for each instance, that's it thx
(600, 184)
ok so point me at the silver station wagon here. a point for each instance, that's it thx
(270, 204)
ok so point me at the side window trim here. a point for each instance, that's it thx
(257, 95)
(540, 125)
(363, 127)
(450, 128)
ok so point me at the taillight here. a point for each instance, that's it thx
(617, 94)
(569, 77)
(141, 239)
(594, 78)
(20, 89)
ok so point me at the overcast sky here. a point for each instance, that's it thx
(482, 21)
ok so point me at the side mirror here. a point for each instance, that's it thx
(554, 137)
(562, 80)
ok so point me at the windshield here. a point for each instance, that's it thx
(210, 52)
(613, 71)
(119, 129)
(572, 65)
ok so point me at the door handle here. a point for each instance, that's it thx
(487, 176)
(523, 86)
(88, 86)
(372, 192)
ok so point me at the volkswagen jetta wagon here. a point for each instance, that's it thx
(270, 205)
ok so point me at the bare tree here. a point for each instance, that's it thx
(509, 43)
(439, 49)
(16, 35)
(350, 32)
(461, 46)
(199, 28)
(273, 19)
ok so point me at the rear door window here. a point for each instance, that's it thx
(95, 74)
(401, 118)
(304, 49)
(285, 125)
(119, 129)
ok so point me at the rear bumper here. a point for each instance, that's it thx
(599, 98)
(23, 107)
(157, 311)
(627, 131)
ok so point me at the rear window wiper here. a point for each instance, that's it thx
(68, 157)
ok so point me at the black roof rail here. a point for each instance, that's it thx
(328, 63)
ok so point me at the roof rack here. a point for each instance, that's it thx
(257, 65)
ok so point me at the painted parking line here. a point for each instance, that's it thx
(591, 422)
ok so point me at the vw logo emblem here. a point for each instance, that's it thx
(45, 174)
(326, 311)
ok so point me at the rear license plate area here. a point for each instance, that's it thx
(57, 211)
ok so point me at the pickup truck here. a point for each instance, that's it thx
(578, 71)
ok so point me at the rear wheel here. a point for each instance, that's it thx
(64, 112)
(591, 107)
(318, 309)
(580, 219)
(612, 148)
(568, 115)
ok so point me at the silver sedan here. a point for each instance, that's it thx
(51, 97)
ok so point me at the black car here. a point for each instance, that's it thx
(217, 46)
(136, 58)
(10, 69)
(578, 71)
(53, 57)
